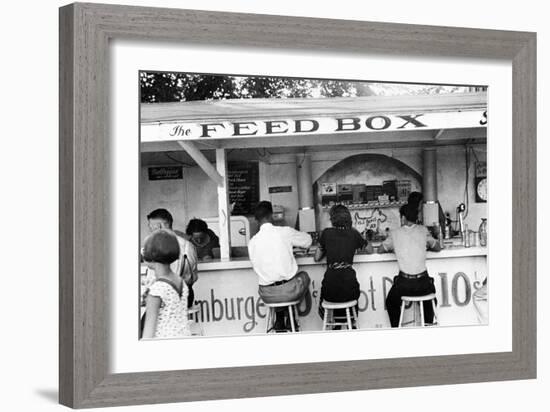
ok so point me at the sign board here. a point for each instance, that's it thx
(280, 189)
(244, 186)
(174, 130)
(165, 172)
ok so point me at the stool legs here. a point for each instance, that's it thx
(348, 318)
(268, 320)
(272, 317)
(325, 319)
(401, 314)
(291, 314)
(417, 305)
(354, 310)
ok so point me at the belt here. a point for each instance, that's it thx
(418, 275)
(279, 282)
(340, 265)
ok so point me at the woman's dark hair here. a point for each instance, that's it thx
(196, 225)
(161, 246)
(410, 211)
(340, 216)
(415, 198)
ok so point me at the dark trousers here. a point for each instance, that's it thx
(403, 286)
(190, 297)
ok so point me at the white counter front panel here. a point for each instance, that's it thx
(230, 305)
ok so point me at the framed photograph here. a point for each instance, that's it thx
(235, 184)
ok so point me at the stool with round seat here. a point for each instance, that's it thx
(193, 316)
(417, 301)
(292, 314)
(351, 314)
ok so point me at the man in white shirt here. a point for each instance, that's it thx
(409, 243)
(272, 257)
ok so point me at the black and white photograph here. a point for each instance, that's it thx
(295, 205)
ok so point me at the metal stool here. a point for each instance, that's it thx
(350, 312)
(417, 301)
(193, 316)
(292, 313)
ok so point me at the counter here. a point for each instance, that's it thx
(226, 291)
(244, 263)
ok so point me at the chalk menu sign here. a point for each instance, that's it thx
(244, 186)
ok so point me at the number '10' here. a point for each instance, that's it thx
(459, 276)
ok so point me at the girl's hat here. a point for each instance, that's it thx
(161, 246)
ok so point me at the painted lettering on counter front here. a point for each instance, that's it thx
(247, 313)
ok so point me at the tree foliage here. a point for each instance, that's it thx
(177, 87)
(164, 87)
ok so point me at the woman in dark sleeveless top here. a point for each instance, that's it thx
(339, 243)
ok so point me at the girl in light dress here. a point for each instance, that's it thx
(166, 314)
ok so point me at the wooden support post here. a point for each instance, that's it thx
(224, 214)
(202, 161)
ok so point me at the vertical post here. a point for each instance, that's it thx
(306, 213)
(429, 187)
(305, 185)
(429, 176)
(224, 214)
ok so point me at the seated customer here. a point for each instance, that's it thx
(203, 238)
(409, 243)
(271, 255)
(339, 243)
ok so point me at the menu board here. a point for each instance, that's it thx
(244, 186)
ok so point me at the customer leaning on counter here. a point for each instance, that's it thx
(409, 243)
(203, 238)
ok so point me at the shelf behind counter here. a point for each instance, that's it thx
(244, 262)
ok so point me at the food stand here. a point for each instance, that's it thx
(308, 154)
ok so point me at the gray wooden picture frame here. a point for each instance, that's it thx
(85, 31)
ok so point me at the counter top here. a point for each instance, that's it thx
(244, 263)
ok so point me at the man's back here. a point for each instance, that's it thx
(270, 252)
(409, 243)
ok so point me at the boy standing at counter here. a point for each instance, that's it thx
(409, 243)
(272, 258)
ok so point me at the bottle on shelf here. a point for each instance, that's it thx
(483, 232)
(448, 222)
(465, 237)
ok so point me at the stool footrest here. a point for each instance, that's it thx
(423, 298)
(282, 304)
(338, 305)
